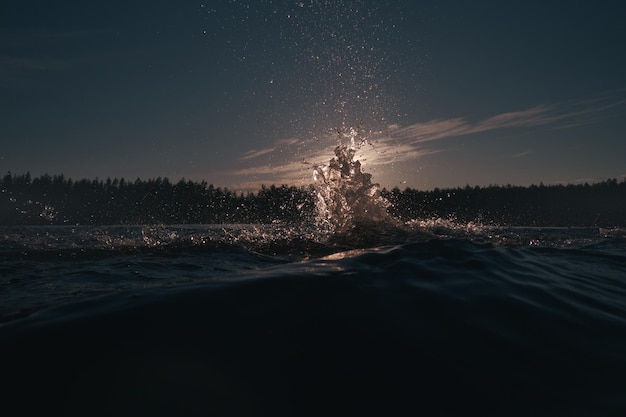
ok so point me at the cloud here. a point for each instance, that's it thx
(284, 169)
(251, 154)
(569, 114)
(530, 117)
(446, 128)
(386, 152)
(27, 58)
(251, 178)
(287, 142)
(431, 130)
(520, 154)
(408, 143)
(279, 145)
(16, 72)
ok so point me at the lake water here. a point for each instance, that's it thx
(427, 318)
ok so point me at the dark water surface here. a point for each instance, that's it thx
(434, 319)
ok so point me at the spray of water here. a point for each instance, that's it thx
(347, 200)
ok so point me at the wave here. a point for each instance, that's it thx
(397, 329)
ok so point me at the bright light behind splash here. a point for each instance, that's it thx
(325, 66)
(346, 196)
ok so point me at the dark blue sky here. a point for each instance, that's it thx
(241, 93)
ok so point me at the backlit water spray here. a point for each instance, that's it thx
(346, 198)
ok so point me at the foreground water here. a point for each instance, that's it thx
(432, 318)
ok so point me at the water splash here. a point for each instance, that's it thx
(346, 198)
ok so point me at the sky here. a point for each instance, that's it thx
(243, 93)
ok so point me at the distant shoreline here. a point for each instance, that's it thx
(55, 200)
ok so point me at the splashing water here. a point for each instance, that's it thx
(346, 197)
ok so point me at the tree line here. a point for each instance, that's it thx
(56, 200)
(59, 200)
(601, 204)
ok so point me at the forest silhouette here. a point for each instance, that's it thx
(56, 200)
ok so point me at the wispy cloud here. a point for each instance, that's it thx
(431, 130)
(569, 114)
(287, 142)
(26, 58)
(406, 143)
(288, 169)
(280, 144)
(520, 154)
(251, 154)
(534, 116)
(446, 128)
